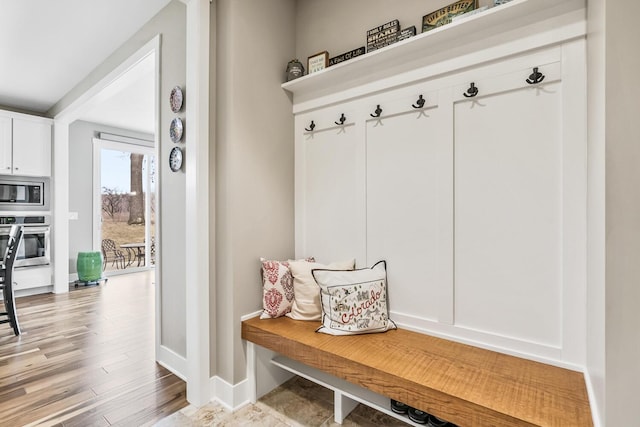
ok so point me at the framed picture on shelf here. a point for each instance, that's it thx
(318, 62)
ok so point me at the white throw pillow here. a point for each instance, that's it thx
(306, 298)
(354, 302)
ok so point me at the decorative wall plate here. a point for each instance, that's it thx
(175, 159)
(176, 98)
(176, 129)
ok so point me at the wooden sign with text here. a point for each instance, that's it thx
(346, 56)
(443, 16)
(383, 35)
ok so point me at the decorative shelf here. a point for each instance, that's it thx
(462, 37)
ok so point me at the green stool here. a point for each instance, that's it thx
(89, 268)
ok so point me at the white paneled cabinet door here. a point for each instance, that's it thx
(409, 209)
(329, 193)
(5, 145)
(31, 148)
(508, 150)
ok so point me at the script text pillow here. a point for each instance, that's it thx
(306, 302)
(277, 288)
(354, 302)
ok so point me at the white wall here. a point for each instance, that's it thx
(81, 136)
(170, 22)
(254, 167)
(596, 209)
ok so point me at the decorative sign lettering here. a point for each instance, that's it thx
(443, 16)
(407, 33)
(359, 307)
(383, 35)
(346, 56)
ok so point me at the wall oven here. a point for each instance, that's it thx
(23, 194)
(35, 246)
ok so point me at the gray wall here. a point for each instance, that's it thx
(339, 26)
(81, 136)
(254, 167)
(622, 289)
(170, 22)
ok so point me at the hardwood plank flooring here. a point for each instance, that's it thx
(86, 358)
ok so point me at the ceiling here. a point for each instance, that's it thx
(128, 102)
(48, 47)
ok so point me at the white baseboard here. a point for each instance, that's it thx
(232, 397)
(32, 291)
(593, 403)
(251, 315)
(172, 361)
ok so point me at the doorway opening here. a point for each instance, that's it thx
(124, 205)
(75, 228)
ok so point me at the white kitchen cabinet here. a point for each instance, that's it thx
(31, 147)
(27, 278)
(25, 145)
(5, 145)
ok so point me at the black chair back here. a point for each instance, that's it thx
(10, 253)
(6, 277)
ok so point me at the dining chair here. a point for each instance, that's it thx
(110, 252)
(6, 279)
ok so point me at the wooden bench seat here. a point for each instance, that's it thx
(465, 385)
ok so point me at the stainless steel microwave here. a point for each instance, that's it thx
(22, 194)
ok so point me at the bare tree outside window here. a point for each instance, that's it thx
(128, 179)
(136, 197)
(112, 202)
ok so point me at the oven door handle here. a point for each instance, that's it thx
(34, 230)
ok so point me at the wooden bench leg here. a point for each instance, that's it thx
(342, 406)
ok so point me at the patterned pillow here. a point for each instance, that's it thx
(354, 302)
(277, 288)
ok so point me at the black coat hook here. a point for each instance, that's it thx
(472, 91)
(420, 102)
(342, 120)
(312, 126)
(377, 112)
(535, 77)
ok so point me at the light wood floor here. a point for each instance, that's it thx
(86, 358)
